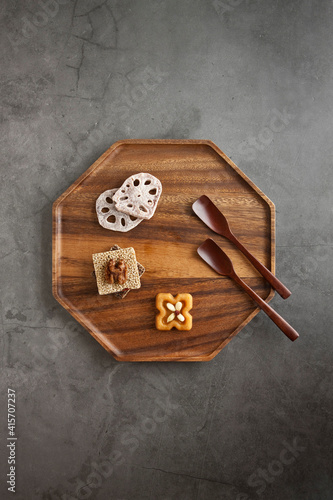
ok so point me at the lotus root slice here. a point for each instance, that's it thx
(139, 195)
(110, 218)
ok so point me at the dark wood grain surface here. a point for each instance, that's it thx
(166, 245)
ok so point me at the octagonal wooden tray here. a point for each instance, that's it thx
(166, 245)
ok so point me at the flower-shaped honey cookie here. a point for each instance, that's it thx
(174, 311)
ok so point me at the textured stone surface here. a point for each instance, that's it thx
(256, 78)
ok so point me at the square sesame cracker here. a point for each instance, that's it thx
(100, 261)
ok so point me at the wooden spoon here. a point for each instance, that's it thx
(211, 253)
(205, 209)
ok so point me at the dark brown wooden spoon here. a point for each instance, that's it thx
(211, 253)
(205, 209)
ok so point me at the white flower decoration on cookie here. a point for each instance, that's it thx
(175, 312)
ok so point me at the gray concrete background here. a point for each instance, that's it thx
(256, 422)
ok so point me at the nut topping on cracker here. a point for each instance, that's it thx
(171, 317)
(122, 294)
(116, 271)
(175, 311)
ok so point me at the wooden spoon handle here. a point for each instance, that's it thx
(276, 284)
(287, 329)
